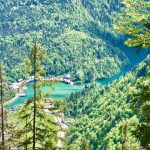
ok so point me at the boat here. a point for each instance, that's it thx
(22, 94)
(25, 88)
(12, 109)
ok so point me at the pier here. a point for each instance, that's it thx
(18, 85)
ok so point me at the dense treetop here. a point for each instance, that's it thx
(134, 20)
(77, 36)
(100, 114)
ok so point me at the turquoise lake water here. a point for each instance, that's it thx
(62, 90)
(58, 91)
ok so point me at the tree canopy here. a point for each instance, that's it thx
(134, 20)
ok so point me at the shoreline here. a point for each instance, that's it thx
(30, 79)
(11, 100)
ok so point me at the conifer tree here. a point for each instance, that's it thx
(134, 21)
(124, 135)
(140, 100)
(2, 108)
(4, 94)
(36, 129)
(84, 144)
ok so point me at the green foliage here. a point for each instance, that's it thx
(5, 94)
(46, 126)
(134, 21)
(100, 115)
(76, 36)
(2, 107)
(121, 138)
(141, 107)
(35, 129)
(8, 93)
(84, 144)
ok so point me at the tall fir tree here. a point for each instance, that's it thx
(140, 100)
(84, 144)
(5, 94)
(35, 128)
(2, 108)
(134, 21)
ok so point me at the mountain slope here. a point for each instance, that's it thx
(100, 114)
(76, 41)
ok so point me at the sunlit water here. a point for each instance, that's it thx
(62, 90)
(57, 91)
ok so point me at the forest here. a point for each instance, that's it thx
(43, 43)
(107, 112)
(67, 31)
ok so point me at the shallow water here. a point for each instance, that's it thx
(62, 90)
(59, 90)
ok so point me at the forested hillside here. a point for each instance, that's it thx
(104, 117)
(77, 36)
(65, 82)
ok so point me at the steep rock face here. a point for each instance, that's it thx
(77, 36)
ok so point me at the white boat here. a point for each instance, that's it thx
(25, 88)
(22, 94)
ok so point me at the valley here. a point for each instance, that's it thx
(74, 75)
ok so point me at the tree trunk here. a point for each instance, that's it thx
(2, 109)
(34, 113)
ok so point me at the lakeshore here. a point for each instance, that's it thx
(20, 85)
(11, 100)
(61, 89)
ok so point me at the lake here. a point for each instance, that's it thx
(62, 90)
(58, 91)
